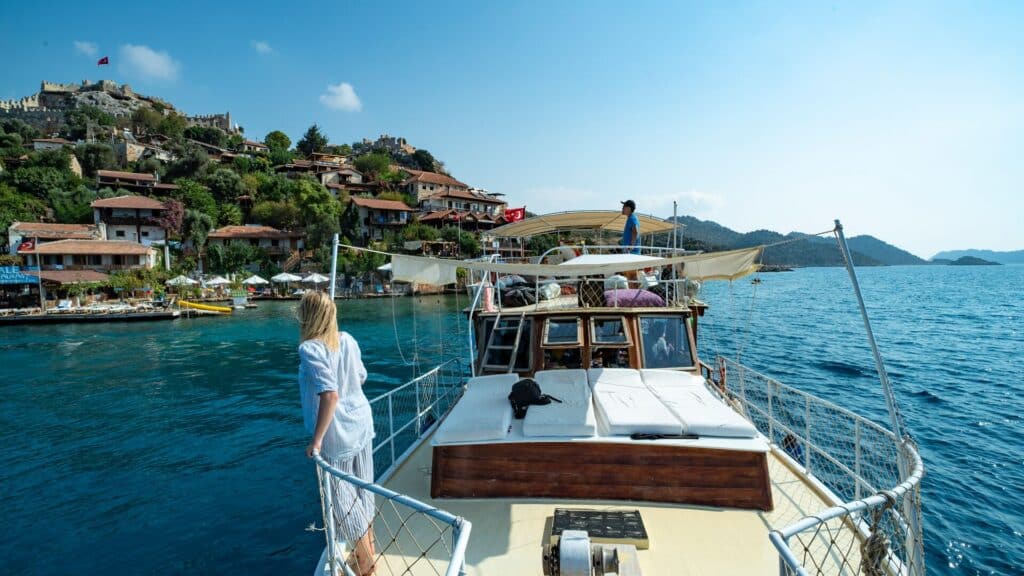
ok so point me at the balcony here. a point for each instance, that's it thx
(130, 221)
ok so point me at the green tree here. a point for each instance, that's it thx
(235, 142)
(424, 159)
(233, 258)
(278, 140)
(19, 127)
(281, 156)
(37, 181)
(312, 141)
(225, 184)
(319, 210)
(11, 145)
(190, 163)
(281, 215)
(72, 206)
(373, 165)
(195, 227)
(149, 166)
(95, 156)
(16, 207)
(146, 120)
(207, 134)
(418, 231)
(229, 215)
(469, 245)
(76, 122)
(195, 197)
(172, 125)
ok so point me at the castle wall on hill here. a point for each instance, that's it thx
(47, 121)
(222, 121)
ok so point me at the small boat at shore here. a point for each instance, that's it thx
(625, 452)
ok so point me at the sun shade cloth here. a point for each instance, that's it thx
(181, 281)
(254, 279)
(610, 220)
(217, 281)
(285, 277)
(712, 266)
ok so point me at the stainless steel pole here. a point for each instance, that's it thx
(334, 264)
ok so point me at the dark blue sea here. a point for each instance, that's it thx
(177, 447)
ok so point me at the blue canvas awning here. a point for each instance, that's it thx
(13, 275)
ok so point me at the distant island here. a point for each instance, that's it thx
(972, 261)
(816, 251)
(1009, 257)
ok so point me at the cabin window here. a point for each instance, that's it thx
(608, 331)
(563, 358)
(606, 357)
(563, 332)
(666, 342)
(498, 353)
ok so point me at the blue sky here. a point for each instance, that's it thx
(905, 120)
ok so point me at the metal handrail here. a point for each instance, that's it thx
(460, 526)
(788, 562)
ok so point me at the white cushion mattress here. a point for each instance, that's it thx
(481, 414)
(625, 406)
(702, 413)
(495, 384)
(574, 416)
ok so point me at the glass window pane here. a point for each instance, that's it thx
(609, 331)
(562, 331)
(666, 342)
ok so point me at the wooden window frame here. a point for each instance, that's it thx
(579, 333)
(594, 343)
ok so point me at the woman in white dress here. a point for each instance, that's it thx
(339, 419)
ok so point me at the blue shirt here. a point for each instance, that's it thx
(341, 371)
(632, 223)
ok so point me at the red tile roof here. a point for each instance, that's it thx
(70, 276)
(53, 231)
(253, 232)
(52, 140)
(89, 247)
(254, 143)
(437, 215)
(114, 174)
(131, 202)
(375, 204)
(432, 178)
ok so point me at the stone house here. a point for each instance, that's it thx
(373, 216)
(130, 218)
(421, 184)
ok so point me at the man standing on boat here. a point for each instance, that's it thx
(631, 231)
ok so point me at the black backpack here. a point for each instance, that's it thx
(525, 393)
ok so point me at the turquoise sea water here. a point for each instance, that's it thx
(176, 447)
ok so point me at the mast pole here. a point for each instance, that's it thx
(334, 264)
(890, 399)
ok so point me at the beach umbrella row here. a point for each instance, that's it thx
(181, 281)
(254, 280)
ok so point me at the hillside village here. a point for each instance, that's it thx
(101, 184)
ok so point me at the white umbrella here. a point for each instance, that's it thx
(286, 277)
(315, 278)
(218, 281)
(385, 268)
(181, 281)
(254, 279)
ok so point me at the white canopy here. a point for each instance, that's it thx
(640, 259)
(608, 220)
(710, 266)
(385, 268)
(218, 281)
(315, 278)
(254, 279)
(285, 277)
(181, 281)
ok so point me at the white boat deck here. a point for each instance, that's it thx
(507, 534)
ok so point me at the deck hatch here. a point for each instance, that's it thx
(603, 526)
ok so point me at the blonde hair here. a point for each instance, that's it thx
(318, 319)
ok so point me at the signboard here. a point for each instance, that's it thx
(13, 275)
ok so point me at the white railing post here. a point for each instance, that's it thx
(328, 506)
(856, 459)
(391, 427)
(771, 412)
(419, 411)
(807, 433)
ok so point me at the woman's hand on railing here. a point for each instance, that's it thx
(313, 449)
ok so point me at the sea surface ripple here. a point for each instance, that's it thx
(177, 447)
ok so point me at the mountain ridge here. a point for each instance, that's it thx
(1002, 257)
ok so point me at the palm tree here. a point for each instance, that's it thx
(195, 227)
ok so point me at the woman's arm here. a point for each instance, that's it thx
(324, 417)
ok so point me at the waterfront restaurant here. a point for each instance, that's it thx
(18, 290)
(19, 233)
(99, 255)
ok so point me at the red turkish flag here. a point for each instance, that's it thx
(27, 246)
(104, 60)
(515, 214)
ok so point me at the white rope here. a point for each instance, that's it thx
(398, 341)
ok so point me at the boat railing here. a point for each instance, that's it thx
(869, 478)
(410, 537)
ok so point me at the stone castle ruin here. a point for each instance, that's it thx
(45, 109)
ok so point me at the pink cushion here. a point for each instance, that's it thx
(632, 298)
